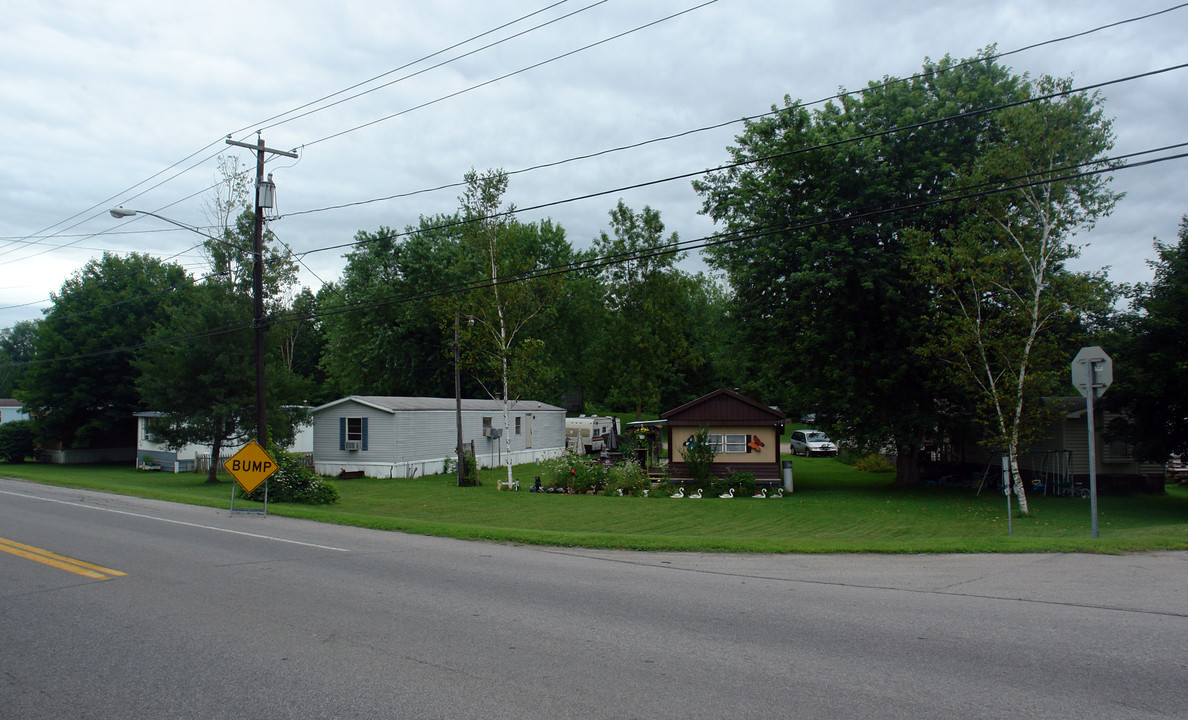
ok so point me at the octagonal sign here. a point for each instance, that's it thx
(251, 466)
(1102, 368)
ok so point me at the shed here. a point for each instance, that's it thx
(745, 433)
(384, 436)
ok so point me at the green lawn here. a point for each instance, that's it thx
(834, 509)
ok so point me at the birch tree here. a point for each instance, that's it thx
(498, 312)
(1003, 288)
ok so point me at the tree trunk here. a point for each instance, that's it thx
(212, 475)
(907, 465)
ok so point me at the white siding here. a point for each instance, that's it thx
(410, 442)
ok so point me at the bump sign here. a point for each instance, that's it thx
(250, 466)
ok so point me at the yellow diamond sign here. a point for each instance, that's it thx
(250, 466)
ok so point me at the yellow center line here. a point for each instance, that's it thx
(78, 567)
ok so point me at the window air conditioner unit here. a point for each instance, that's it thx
(353, 444)
(492, 432)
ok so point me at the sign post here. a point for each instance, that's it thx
(250, 466)
(1092, 373)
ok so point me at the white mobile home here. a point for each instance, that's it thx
(12, 410)
(187, 458)
(383, 436)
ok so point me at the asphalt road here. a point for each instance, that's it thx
(249, 617)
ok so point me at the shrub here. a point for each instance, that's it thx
(743, 483)
(294, 482)
(873, 462)
(16, 441)
(699, 456)
(470, 477)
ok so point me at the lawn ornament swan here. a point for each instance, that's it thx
(678, 494)
(728, 494)
(696, 494)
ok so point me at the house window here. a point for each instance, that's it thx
(352, 433)
(728, 443)
(355, 430)
(518, 426)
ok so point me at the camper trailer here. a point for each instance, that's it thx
(588, 434)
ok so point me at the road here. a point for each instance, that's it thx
(217, 616)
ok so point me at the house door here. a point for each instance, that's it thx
(528, 431)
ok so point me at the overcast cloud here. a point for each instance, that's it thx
(97, 97)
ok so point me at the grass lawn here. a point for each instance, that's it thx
(834, 509)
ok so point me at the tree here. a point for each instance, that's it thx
(1002, 286)
(17, 350)
(204, 385)
(820, 211)
(383, 329)
(1153, 390)
(200, 375)
(302, 339)
(646, 333)
(81, 389)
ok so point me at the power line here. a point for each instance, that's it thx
(843, 141)
(880, 133)
(751, 118)
(1020, 182)
(431, 67)
(103, 204)
(505, 76)
(559, 162)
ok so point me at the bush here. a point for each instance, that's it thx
(872, 462)
(699, 456)
(16, 441)
(294, 482)
(743, 483)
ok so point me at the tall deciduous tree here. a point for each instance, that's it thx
(383, 331)
(17, 350)
(815, 253)
(1152, 357)
(81, 389)
(646, 333)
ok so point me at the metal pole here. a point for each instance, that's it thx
(458, 400)
(1092, 447)
(1006, 490)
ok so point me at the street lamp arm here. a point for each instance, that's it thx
(120, 213)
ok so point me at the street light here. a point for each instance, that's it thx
(119, 213)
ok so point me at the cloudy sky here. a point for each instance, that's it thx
(129, 102)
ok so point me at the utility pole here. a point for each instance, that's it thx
(264, 192)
